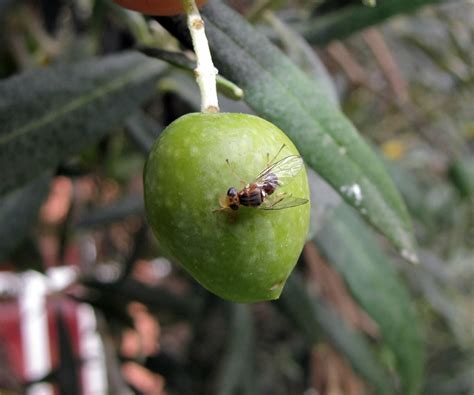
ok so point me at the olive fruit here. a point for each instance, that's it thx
(156, 7)
(242, 255)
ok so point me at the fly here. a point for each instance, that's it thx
(260, 193)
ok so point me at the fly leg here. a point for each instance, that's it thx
(223, 205)
(231, 214)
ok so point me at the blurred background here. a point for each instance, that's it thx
(119, 317)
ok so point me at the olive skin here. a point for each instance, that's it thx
(244, 255)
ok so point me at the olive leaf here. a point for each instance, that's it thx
(182, 61)
(18, 210)
(114, 212)
(462, 175)
(345, 21)
(318, 321)
(302, 54)
(143, 130)
(116, 295)
(280, 92)
(238, 361)
(350, 247)
(49, 115)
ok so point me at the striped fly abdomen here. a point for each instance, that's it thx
(251, 197)
(270, 183)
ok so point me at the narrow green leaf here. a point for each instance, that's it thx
(315, 318)
(18, 211)
(114, 212)
(280, 92)
(352, 249)
(181, 60)
(350, 19)
(49, 115)
(236, 375)
(178, 59)
(462, 176)
(182, 84)
(413, 193)
(302, 54)
(143, 130)
(119, 294)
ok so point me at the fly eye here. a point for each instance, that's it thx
(232, 192)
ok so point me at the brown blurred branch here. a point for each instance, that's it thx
(329, 284)
(387, 63)
(353, 69)
(332, 375)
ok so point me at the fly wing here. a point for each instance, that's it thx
(281, 202)
(284, 170)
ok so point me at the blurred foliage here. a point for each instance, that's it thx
(80, 108)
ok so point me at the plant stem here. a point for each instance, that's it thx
(205, 71)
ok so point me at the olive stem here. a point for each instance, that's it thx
(205, 71)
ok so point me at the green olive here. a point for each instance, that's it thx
(242, 255)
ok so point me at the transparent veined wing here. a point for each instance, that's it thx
(284, 171)
(282, 201)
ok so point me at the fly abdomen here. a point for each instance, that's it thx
(251, 198)
(270, 184)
